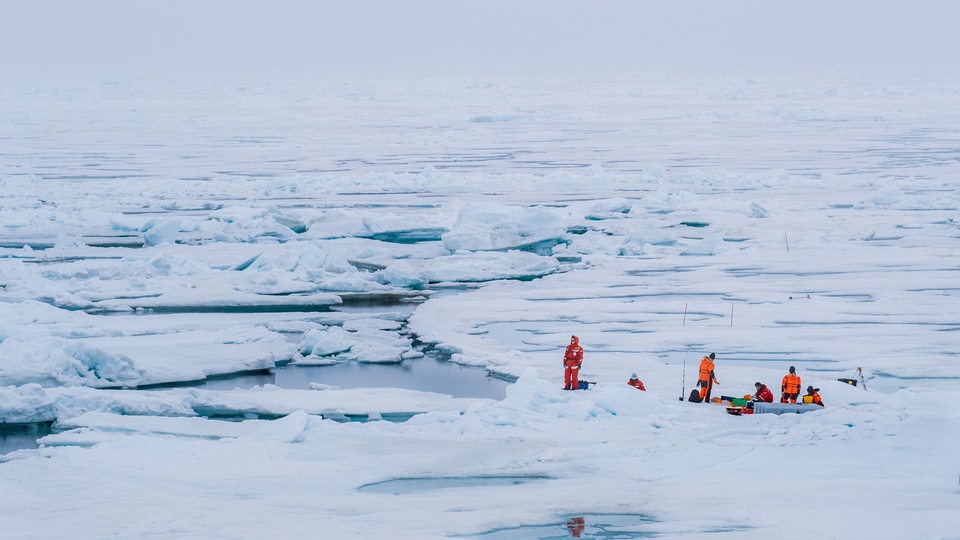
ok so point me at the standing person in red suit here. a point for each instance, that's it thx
(572, 360)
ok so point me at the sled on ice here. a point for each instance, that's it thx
(761, 407)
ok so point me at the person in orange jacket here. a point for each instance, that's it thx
(572, 360)
(763, 393)
(707, 378)
(814, 394)
(636, 382)
(790, 386)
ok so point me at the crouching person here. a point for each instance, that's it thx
(813, 396)
(636, 382)
(763, 393)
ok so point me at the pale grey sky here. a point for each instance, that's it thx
(122, 36)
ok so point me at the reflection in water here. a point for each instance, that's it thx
(599, 526)
(422, 374)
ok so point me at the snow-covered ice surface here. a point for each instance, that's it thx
(154, 233)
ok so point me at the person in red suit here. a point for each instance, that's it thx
(572, 360)
(763, 393)
(636, 382)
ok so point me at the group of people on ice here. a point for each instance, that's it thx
(790, 385)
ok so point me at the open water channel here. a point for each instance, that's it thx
(433, 372)
(428, 374)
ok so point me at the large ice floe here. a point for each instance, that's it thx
(774, 222)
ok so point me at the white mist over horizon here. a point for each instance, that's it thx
(113, 38)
